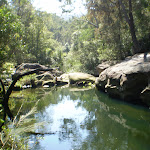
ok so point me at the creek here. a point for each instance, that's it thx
(77, 119)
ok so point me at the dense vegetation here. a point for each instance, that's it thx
(112, 29)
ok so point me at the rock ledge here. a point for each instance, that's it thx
(128, 80)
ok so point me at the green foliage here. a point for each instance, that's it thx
(3, 2)
(89, 56)
(71, 62)
(86, 34)
(113, 28)
(8, 67)
(10, 140)
(26, 80)
(6, 71)
(9, 33)
(29, 35)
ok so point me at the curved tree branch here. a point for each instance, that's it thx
(11, 87)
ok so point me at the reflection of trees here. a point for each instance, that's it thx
(110, 124)
(35, 139)
(30, 96)
(114, 125)
(68, 129)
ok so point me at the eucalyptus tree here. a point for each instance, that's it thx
(120, 23)
(119, 15)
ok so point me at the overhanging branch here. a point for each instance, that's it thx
(11, 87)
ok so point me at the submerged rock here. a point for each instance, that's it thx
(128, 79)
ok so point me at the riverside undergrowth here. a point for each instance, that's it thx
(12, 133)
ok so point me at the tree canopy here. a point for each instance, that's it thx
(111, 30)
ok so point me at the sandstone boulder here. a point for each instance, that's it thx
(29, 66)
(104, 65)
(46, 74)
(128, 79)
(78, 77)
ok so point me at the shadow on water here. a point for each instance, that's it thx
(86, 120)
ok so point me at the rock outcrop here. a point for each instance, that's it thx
(51, 78)
(42, 78)
(29, 66)
(104, 65)
(78, 78)
(128, 80)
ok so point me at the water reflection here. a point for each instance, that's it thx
(86, 120)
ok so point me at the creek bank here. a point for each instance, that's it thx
(128, 80)
(51, 78)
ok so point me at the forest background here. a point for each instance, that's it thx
(111, 30)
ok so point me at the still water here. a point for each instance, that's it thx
(77, 119)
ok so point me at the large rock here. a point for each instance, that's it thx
(25, 67)
(128, 79)
(78, 77)
(29, 66)
(47, 76)
(40, 77)
(104, 65)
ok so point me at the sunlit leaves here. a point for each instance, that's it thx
(10, 28)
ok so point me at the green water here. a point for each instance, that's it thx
(84, 120)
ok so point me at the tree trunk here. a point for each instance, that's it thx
(129, 19)
(136, 46)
